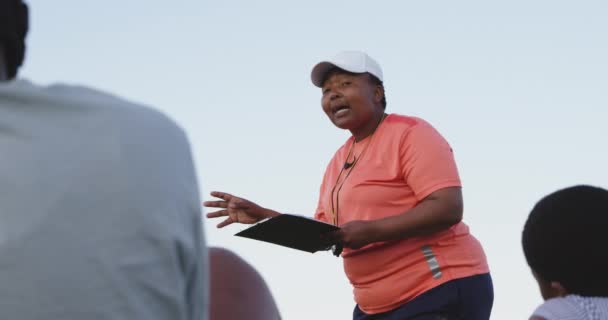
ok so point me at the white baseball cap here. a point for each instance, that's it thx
(351, 61)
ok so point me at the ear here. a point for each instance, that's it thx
(549, 289)
(378, 93)
(558, 289)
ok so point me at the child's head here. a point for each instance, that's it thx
(565, 242)
(13, 30)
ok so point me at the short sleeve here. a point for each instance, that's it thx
(427, 160)
(320, 212)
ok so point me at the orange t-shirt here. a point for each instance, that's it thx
(404, 161)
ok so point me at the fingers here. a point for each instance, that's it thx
(215, 204)
(226, 222)
(333, 237)
(217, 214)
(222, 213)
(222, 195)
(219, 204)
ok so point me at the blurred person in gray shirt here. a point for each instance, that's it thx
(99, 204)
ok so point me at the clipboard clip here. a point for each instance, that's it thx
(336, 249)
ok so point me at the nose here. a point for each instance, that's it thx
(334, 95)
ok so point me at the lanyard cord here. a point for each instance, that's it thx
(335, 209)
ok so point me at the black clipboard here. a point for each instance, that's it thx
(292, 231)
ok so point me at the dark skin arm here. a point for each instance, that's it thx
(438, 211)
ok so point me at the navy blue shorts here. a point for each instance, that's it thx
(468, 298)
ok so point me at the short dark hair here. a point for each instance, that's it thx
(564, 239)
(373, 79)
(14, 26)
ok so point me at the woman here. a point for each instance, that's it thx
(394, 190)
(564, 243)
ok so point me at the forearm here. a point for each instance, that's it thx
(430, 216)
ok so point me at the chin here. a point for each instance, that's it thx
(343, 127)
(345, 124)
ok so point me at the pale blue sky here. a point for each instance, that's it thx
(519, 89)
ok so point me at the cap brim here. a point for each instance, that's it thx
(319, 72)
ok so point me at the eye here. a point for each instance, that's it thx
(346, 83)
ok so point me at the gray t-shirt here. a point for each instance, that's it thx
(99, 209)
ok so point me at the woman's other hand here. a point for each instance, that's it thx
(354, 234)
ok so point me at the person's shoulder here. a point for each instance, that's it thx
(93, 97)
(402, 125)
(404, 122)
(554, 307)
(112, 106)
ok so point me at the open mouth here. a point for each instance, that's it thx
(339, 110)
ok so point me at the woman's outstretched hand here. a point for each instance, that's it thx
(236, 210)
